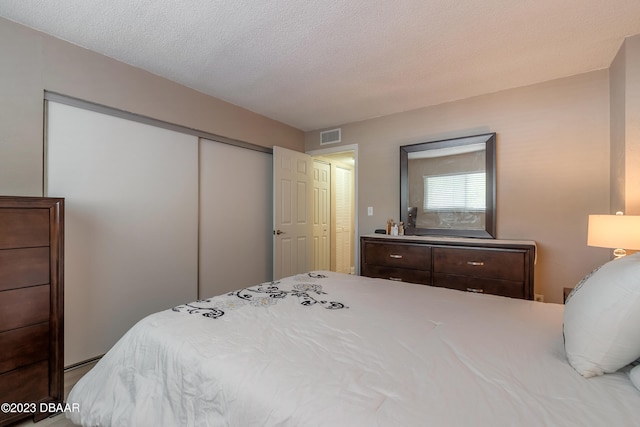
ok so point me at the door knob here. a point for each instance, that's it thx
(278, 232)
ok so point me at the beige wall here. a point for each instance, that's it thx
(31, 62)
(552, 166)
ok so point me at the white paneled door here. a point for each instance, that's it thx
(343, 218)
(293, 212)
(321, 215)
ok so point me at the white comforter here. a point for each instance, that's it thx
(337, 350)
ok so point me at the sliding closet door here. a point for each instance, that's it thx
(235, 218)
(131, 222)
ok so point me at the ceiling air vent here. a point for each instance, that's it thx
(330, 136)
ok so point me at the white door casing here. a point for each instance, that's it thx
(293, 207)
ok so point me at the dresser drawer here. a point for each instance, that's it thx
(501, 264)
(20, 268)
(24, 346)
(27, 384)
(398, 274)
(398, 255)
(24, 228)
(24, 307)
(505, 288)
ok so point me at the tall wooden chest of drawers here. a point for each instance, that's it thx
(31, 305)
(500, 267)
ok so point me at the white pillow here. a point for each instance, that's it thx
(602, 318)
(634, 374)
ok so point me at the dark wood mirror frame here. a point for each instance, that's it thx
(489, 230)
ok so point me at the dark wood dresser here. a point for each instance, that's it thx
(500, 267)
(31, 305)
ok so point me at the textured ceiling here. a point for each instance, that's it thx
(316, 64)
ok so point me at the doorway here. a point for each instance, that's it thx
(335, 242)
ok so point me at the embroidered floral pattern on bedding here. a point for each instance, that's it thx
(264, 295)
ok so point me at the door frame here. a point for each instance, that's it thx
(356, 234)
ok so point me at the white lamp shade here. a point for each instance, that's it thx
(614, 231)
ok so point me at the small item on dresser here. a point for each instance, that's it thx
(380, 231)
(389, 225)
(401, 229)
(394, 230)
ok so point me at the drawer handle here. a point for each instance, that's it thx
(395, 279)
(476, 263)
(475, 290)
(395, 256)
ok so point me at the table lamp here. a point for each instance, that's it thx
(614, 231)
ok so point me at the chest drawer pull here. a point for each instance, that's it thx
(395, 256)
(475, 290)
(395, 279)
(475, 263)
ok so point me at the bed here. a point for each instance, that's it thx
(329, 349)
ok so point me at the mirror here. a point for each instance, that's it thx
(448, 187)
